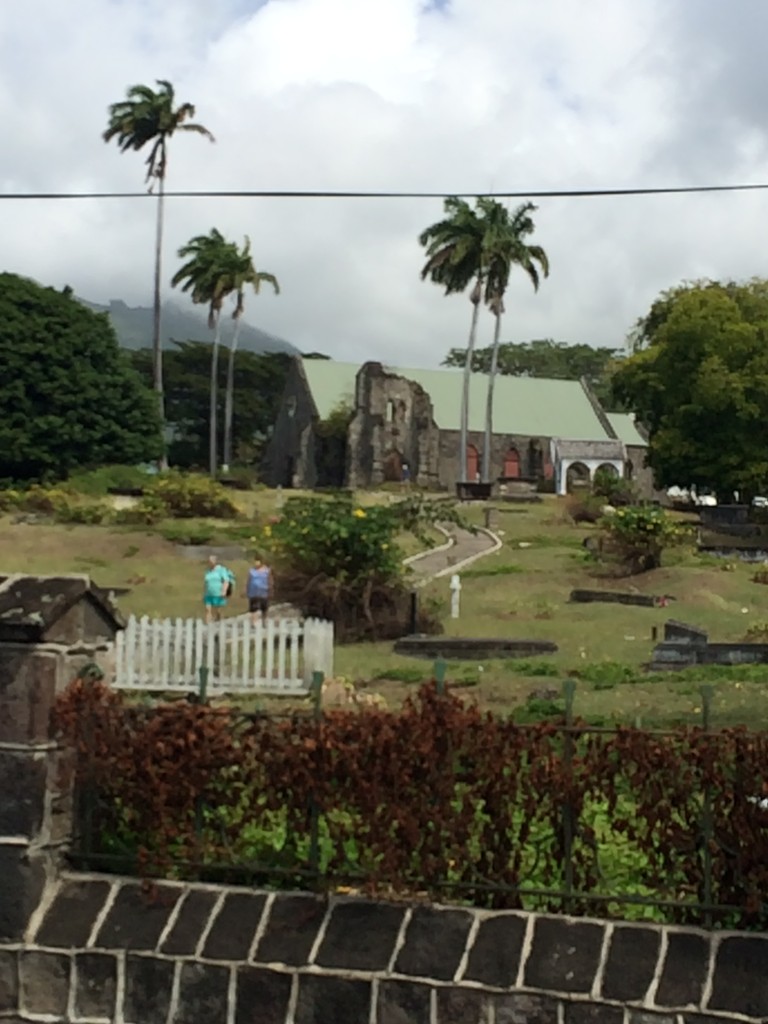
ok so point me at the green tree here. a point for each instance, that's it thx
(210, 275)
(698, 380)
(69, 397)
(454, 248)
(551, 359)
(506, 248)
(148, 117)
(246, 275)
(259, 382)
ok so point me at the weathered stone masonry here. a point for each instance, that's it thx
(88, 949)
(103, 949)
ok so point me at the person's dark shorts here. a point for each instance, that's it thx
(258, 604)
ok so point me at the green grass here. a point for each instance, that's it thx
(519, 592)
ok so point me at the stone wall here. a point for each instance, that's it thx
(289, 458)
(102, 949)
(392, 424)
(450, 445)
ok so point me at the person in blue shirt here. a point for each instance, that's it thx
(217, 587)
(259, 589)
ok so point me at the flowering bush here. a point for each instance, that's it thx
(188, 496)
(337, 559)
(638, 534)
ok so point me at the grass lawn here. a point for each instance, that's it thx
(520, 592)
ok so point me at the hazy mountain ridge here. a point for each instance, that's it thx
(133, 326)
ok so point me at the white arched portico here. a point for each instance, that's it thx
(582, 459)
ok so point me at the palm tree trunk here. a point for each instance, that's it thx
(157, 347)
(464, 431)
(488, 439)
(229, 399)
(213, 433)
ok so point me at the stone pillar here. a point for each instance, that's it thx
(50, 628)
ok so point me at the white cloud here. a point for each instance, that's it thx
(360, 94)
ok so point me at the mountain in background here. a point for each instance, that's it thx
(133, 326)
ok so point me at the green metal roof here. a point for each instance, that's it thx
(531, 406)
(624, 425)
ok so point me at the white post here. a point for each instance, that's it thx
(455, 595)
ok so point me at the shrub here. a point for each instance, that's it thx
(614, 490)
(638, 534)
(9, 499)
(179, 496)
(47, 500)
(178, 534)
(91, 514)
(99, 482)
(340, 561)
(585, 507)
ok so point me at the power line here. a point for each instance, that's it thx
(319, 194)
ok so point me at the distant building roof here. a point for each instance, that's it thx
(607, 449)
(530, 406)
(625, 428)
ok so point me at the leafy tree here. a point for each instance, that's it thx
(245, 275)
(259, 382)
(68, 395)
(455, 259)
(210, 275)
(551, 359)
(148, 117)
(506, 246)
(698, 380)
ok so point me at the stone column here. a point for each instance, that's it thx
(50, 628)
(35, 809)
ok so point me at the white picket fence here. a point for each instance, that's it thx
(277, 656)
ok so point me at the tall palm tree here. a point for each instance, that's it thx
(210, 275)
(455, 252)
(246, 275)
(147, 117)
(506, 248)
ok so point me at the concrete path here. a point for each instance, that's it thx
(465, 545)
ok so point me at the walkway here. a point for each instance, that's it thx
(440, 561)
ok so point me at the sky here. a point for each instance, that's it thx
(447, 96)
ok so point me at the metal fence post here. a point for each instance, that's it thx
(314, 808)
(567, 815)
(439, 670)
(707, 826)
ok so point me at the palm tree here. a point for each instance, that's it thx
(148, 117)
(210, 275)
(506, 247)
(455, 257)
(246, 275)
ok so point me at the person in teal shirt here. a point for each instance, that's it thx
(218, 585)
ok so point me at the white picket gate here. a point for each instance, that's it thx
(276, 656)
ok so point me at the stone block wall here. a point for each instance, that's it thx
(104, 949)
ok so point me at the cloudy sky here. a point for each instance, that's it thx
(443, 96)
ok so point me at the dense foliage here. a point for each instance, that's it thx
(698, 380)
(439, 799)
(638, 534)
(551, 359)
(68, 395)
(258, 386)
(341, 561)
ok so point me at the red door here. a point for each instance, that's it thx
(512, 463)
(473, 463)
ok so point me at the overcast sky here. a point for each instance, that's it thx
(449, 96)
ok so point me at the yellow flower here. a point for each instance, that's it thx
(385, 547)
(359, 513)
(267, 531)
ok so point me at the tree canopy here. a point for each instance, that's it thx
(259, 382)
(698, 380)
(548, 358)
(68, 395)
